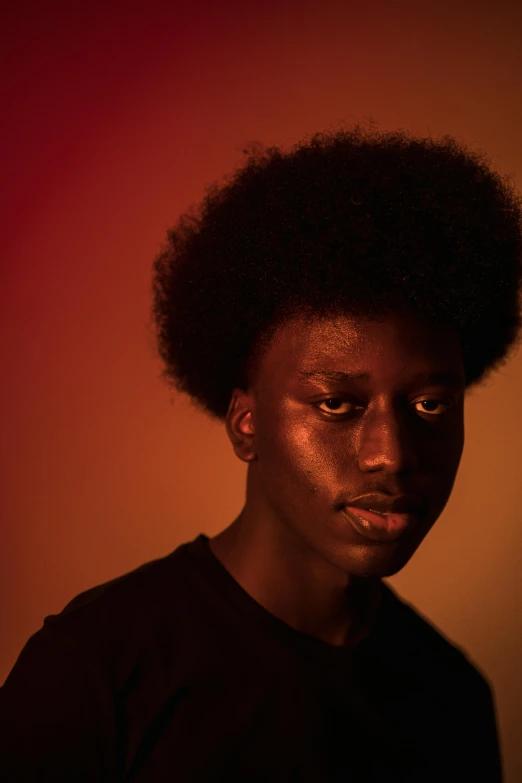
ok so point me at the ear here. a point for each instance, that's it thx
(240, 426)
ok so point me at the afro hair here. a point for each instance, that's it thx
(359, 221)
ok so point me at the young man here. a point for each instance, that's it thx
(332, 305)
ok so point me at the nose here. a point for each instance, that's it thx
(387, 442)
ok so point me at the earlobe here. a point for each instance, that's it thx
(240, 426)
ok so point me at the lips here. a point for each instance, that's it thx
(387, 504)
(380, 527)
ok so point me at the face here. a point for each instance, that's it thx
(318, 436)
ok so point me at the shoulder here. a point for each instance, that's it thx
(140, 586)
(140, 591)
(449, 697)
(123, 639)
(127, 622)
(418, 645)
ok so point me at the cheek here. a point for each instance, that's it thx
(441, 455)
(305, 457)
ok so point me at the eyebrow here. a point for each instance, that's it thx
(444, 378)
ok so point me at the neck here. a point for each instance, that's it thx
(293, 583)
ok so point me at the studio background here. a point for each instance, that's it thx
(116, 117)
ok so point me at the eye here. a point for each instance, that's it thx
(339, 407)
(431, 403)
(334, 405)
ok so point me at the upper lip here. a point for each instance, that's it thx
(386, 504)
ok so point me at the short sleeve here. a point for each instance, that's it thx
(55, 715)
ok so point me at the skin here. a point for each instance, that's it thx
(292, 548)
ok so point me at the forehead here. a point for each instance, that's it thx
(393, 347)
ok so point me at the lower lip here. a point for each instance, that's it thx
(380, 527)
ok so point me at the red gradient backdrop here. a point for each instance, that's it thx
(116, 118)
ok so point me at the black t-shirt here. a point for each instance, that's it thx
(174, 673)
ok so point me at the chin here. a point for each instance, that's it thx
(382, 560)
